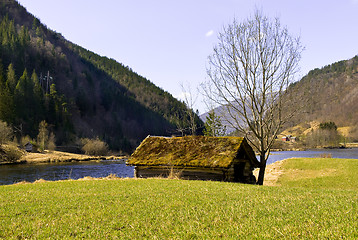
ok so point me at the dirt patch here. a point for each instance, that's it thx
(275, 170)
(272, 173)
(21, 183)
(87, 178)
(109, 177)
(40, 180)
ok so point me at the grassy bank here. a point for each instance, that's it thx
(319, 173)
(178, 209)
(57, 156)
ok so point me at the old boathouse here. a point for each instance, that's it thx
(196, 157)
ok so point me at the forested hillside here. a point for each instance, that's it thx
(329, 94)
(77, 92)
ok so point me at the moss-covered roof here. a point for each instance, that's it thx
(192, 151)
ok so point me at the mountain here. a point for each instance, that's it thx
(224, 118)
(331, 93)
(328, 94)
(77, 92)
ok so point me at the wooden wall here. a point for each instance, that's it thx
(183, 173)
(191, 173)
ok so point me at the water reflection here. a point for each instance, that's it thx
(10, 174)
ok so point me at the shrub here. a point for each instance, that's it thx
(10, 153)
(94, 147)
(325, 136)
(175, 174)
(51, 144)
(5, 132)
(328, 126)
(325, 155)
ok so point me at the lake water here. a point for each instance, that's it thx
(336, 153)
(10, 174)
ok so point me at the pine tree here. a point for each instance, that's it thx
(37, 99)
(214, 126)
(6, 97)
(20, 98)
(11, 80)
(26, 114)
(6, 104)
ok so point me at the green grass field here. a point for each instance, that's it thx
(323, 173)
(179, 209)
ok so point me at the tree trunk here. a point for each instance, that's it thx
(260, 180)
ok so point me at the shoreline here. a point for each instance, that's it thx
(58, 157)
(272, 173)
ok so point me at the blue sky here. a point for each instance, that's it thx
(168, 42)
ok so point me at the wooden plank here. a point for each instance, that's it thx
(191, 173)
(184, 173)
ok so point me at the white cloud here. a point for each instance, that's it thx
(211, 32)
(354, 1)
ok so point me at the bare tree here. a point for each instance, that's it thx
(42, 137)
(180, 123)
(189, 100)
(251, 67)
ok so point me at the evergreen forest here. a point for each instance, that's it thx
(77, 92)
